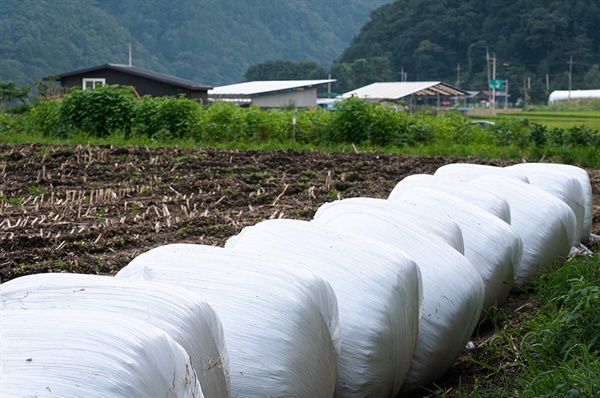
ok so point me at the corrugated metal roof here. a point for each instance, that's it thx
(133, 70)
(397, 90)
(259, 87)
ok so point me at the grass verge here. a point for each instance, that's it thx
(551, 348)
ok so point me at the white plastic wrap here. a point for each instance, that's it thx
(547, 176)
(379, 296)
(452, 289)
(280, 320)
(486, 200)
(184, 315)
(467, 172)
(545, 223)
(72, 353)
(492, 246)
(443, 228)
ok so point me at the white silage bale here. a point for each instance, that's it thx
(546, 224)
(492, 245)
(453, 291)
(280, 320)
(488, 201)
(379, 296)
(467, 172)
(443, 228)
(184, 315)
(73, 353)
(555, 178)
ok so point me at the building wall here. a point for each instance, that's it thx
(142, 85)
(299, 98)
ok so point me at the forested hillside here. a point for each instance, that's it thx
(537, 44)
(209, 41)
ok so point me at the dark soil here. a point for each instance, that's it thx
(91, 209)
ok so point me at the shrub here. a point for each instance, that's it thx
(98, 112)
(166, 117)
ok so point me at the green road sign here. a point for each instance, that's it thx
(497, 84)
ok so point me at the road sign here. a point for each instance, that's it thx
(497, 84)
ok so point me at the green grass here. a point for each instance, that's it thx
(553, 348)
(564, 120)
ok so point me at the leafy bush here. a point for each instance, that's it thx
(165, 118)
(98, 112)
(351, 121)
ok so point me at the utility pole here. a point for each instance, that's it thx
(494, 86)
(458, 75)
(570, 74)
(402, 74)
(130, 56)
(487, 60)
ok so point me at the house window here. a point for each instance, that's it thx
(92, 83)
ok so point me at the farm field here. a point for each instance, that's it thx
(565, 120)
(91, 209)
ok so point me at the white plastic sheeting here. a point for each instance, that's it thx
(492, 246)
(553, 184)
(71, 353)
(188, 319)
(562, 95)
(280, 320)
(443, 228)
(545, 223)
(379, 296)
(467, 172)
(488, 201)
(452, 289)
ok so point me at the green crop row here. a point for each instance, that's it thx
(114, 114)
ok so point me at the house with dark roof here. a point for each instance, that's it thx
(144, 82)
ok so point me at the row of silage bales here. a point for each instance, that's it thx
(379, 297)
(191, 325)
(510, 229)
(492, 245)
(280, 320)
(80, 353)
(546, 224)
(453, 290)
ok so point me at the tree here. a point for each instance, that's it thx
(9, 92)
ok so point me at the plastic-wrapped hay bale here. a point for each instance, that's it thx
(488, 201)
(280, 320)
(184, 315)
(492, 245)
(467, 172)
(379, 296)
(72, 353)
(556, 179)
(453, 292)
(443, 228)
(545, 223)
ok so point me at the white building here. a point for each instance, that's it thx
(560, 95)
(271, 94)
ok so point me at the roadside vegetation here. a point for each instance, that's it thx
(550, 345)
(113, 115)
(547, 347)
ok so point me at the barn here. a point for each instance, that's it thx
(271, 93)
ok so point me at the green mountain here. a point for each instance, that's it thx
(536, 45)
(208, 41)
